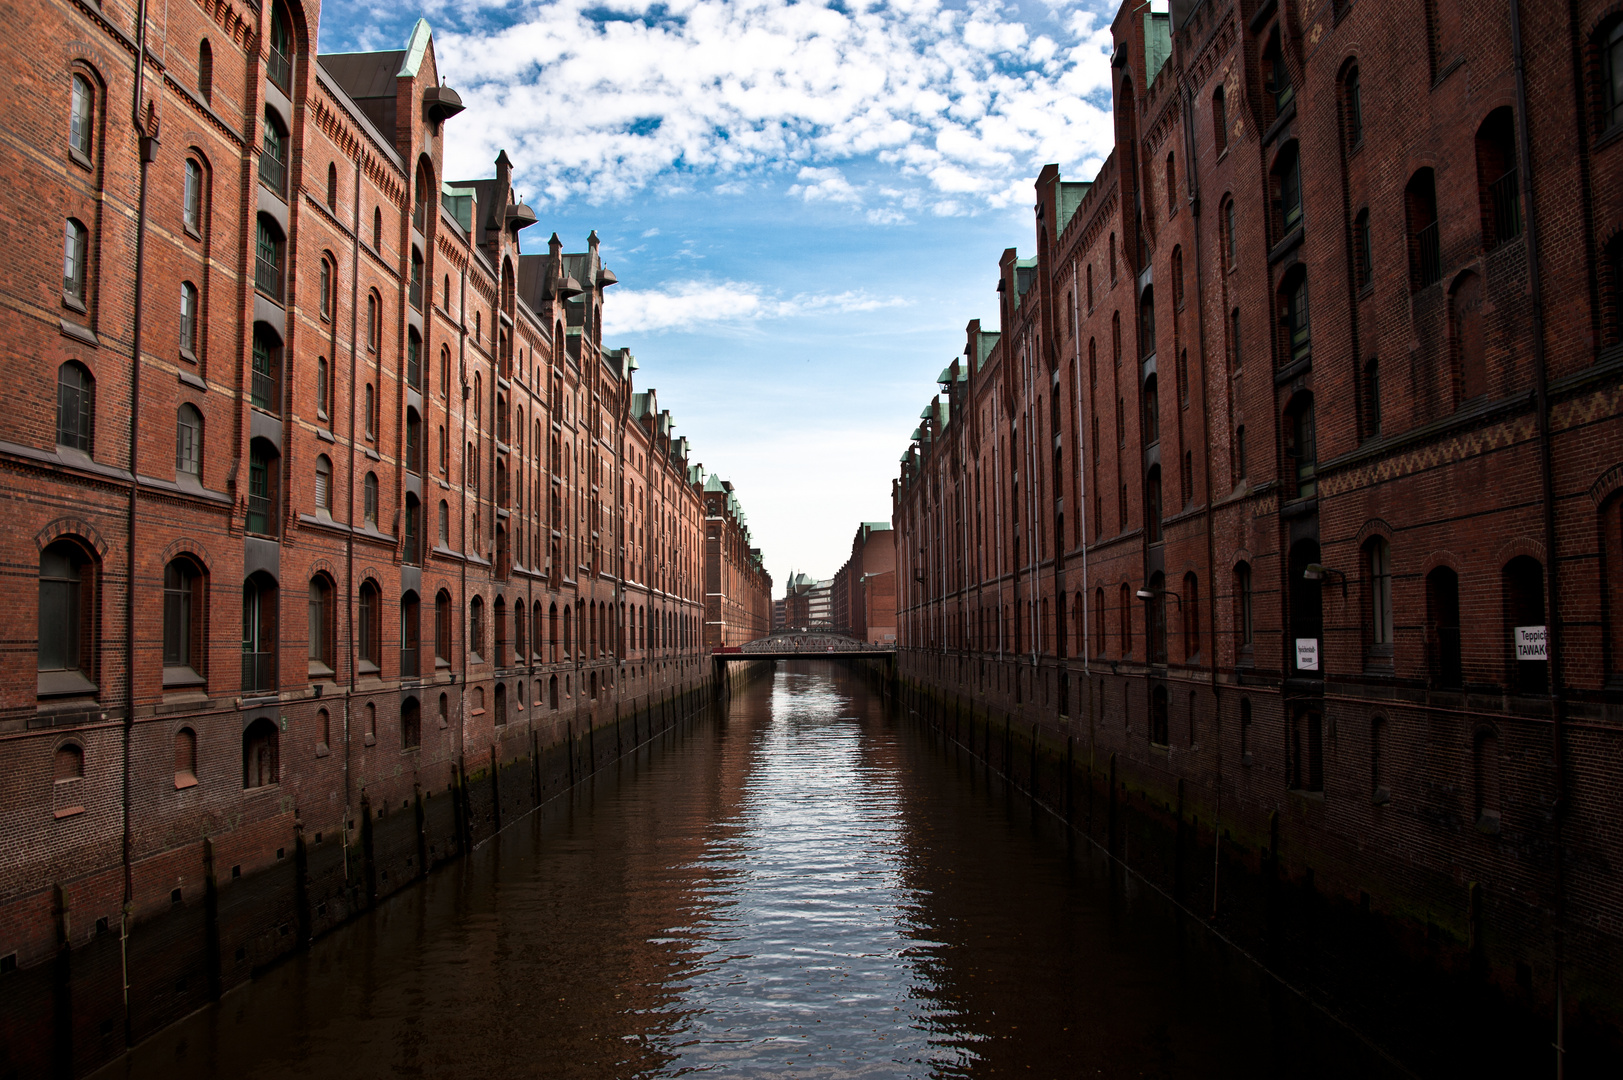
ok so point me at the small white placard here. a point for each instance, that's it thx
(1307, 654)
(1532, 643)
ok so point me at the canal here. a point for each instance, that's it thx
(801, 886)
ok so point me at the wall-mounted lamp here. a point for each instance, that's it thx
(1318, 571)
(1151, 594)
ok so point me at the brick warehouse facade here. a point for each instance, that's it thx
(469, 557)
(864, 590)
(1276, 585)
(737, 588)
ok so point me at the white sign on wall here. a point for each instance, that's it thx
(1307, 654)
(1532, 643)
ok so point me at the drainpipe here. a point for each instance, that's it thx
(997, 503)
(1541, 383)
(349, 512)
(1192, 179)
(149, 151)
(1082, 508)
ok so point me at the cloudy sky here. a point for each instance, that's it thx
(804, 203)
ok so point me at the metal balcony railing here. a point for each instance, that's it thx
(273, 173)
(1507, 208)
(279, 67)
(258, 672)
(268, 277)
(1428, 257)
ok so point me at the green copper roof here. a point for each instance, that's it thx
(416, 48)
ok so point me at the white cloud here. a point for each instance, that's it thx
(598, 100)
(694, 303)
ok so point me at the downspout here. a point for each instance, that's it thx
(1032, 560)
(349, 511)
(1081, 474)
(149, 151)
(1192, 178)
(997, 504)
(1541, 383)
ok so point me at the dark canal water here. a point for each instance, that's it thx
(805, 887)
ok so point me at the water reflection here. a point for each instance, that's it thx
(804, 888)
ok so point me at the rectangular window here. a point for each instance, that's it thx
(188, 318)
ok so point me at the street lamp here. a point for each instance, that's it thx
(1151, 594)
(1317, 571)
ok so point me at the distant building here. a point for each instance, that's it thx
(738, 590)
(808, 602)
(864, 589)
(777, 615)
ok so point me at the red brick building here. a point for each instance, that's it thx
(864, 590)
(737, 588)
(290, 371)
(1267, 561)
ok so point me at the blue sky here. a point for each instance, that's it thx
(804, 203)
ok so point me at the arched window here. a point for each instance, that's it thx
(263, 474)
(1378, 564)
(82, 117)
(1220, 121)
(553, 641)
(323, 484)
(1190, 612)
(1522, 584)
(1363, 251)
(259, 633)
(369, 628)
(75, 258)
(1242, 606)
(323, 388)
(1306, 750)
(552, 691)
(442, 628)
(445, 524)
(538, 633)
(1146, 324)
(273, 160)
(1609, 44)
(191, 203)
(68, 763)
(280, 64)
(1230, 231)
(185, 622)
(377, 229)
(1443, 627)
(268, 253)
(188, 320)
(370, 410)
(188, 442)
(1276, 78)
(325, 289)
(1155, 616)
(501, 704)
(1352, 108)
(1152, 504)
(1124, 615)
(266, 389)
(569, 643)
(75, 407)
(476, 628)
(185, 758)
(411, 724)
(1172, 186)
(1425, 250)
(1301, 446)
(1152, 412)
(411, 552)
(1498, 182)
(323, 626)
(1287, 185)
(259, 754)
(1297, 343)
(332, 186)
(411, 618)
(1158, 716)
(499, 618)
(415, 289)
(67, 618)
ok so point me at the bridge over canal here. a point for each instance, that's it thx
(802, 645)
